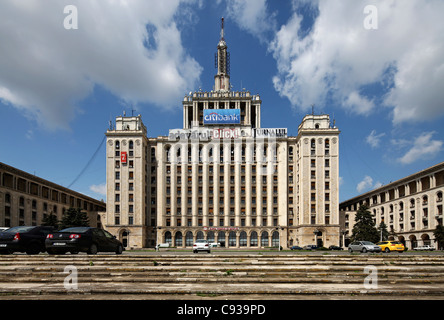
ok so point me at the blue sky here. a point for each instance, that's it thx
(59, 87)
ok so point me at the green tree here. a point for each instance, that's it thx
(439, 236)
(364, 228)
(50, 220)
(74, 217)
(383, 232)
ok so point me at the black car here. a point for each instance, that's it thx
(29, 239)
(335, 248)
(296, 248)
(82, 239)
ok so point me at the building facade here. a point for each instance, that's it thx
(411, 207)
(222, 177)
(25, 199)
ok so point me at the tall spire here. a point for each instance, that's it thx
(222, 78)
(222, 30)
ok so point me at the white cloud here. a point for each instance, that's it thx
(100, 188)
(341, 59)
(252, 16)
(133, 49)
(367, 184)
(374, 139)
(364, 184)
(423, 148)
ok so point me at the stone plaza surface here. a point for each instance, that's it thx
(223, 275)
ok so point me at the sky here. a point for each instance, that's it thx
(67, 68)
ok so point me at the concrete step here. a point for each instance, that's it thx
(221, 275)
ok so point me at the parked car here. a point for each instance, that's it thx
(388, 246)
(424, 248)
(82, 239)
(29, 239)
(310, 247)
(201, 245)
(296, 248)
(162, 245)
(363, 246)
(215, 245)
(335, 248)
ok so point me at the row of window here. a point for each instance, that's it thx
(37, 190)
(221, 237)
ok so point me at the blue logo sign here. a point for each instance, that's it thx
(221, 116)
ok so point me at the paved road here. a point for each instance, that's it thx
(221, 251)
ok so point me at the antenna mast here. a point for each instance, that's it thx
(222, 29)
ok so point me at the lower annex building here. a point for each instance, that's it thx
(25, 199)
(222, 177)
(411, 207)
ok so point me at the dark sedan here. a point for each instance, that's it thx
(29, 239)
(335, 248)
(82, 239)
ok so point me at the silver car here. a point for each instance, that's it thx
(363, 246)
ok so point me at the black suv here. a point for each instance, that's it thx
(29, 239)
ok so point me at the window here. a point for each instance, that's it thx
(189, 239)
(178, 239)
(275, 239)
(243, 239)
(253, 239)
(264, 239)
(232, 239)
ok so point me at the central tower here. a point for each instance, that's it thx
(201, 106)
(222, 177)
(222, 63)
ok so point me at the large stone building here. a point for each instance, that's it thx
(222, 176)
(25, 199)
(411, 207)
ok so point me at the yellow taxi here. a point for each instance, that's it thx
(388, 246)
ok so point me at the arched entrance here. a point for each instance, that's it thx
(124, 238)
(426, 240)
(264, 239)
(167, 237)
(200, 235)
(253, 239)
(232, 239)
(189, 239)
(413, 242)
(221, 238)
(178, 239)
(243, 239)
(275, 239)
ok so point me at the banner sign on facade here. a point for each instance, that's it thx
(221, 228)
(270, 133)
(207, 134)
(123, 157)
(221, 116)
